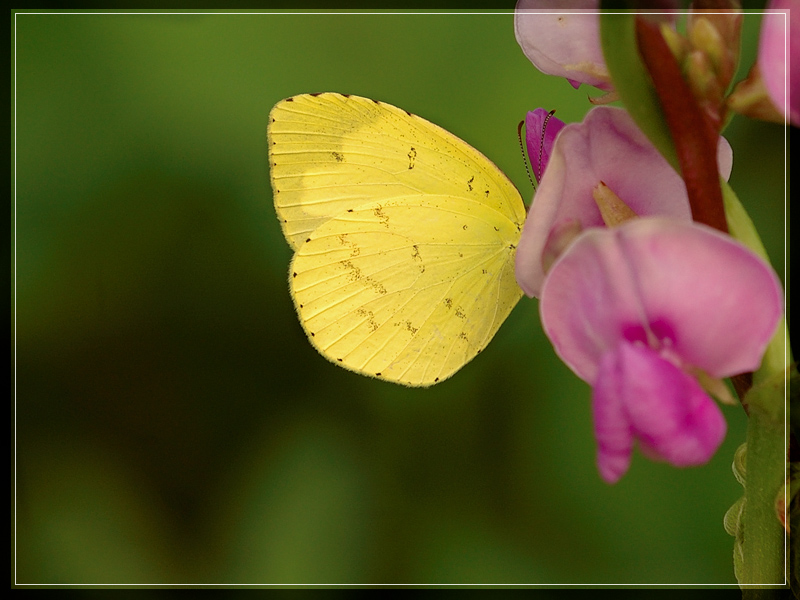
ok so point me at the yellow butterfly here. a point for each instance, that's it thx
(404, 236)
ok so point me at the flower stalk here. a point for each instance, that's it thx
(763, 551)
(643, 292)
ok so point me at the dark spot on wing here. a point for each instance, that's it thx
(416, 256)
(370, 316)
(338, 157)
(412, 155)
(354, 274)
(378, 211)
(469, 183)
(355, 250)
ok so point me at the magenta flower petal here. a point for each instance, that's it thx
(541, 129)
(612, 428)
(639, 395)
(773, 55)
(564, 43)
(689, 292)
(607, 146)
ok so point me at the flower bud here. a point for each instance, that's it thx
(751, 98)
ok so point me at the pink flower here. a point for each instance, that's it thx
(638, 311)
(607, 146)
(564, 43)
(773, 54)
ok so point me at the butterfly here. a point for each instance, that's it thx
(404, 236)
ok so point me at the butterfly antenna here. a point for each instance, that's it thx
(524, 157)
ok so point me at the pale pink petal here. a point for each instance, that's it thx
(589, 302)
(719, 301)
(687, 290)
(640, 395)
(607, 146)
(563, 38)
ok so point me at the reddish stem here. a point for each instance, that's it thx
(693, 134)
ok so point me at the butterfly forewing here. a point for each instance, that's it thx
(330, 152)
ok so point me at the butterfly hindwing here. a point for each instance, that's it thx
(381, 295)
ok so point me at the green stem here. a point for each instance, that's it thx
(764, 547)
(778, 355)
(632, 82)
(764, 538)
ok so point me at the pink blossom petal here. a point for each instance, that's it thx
(695, 294)
(612, 428)
(607, 146)
(721, 301)
(541, 129)
(773, 54)
(639, 395)
(564, 43)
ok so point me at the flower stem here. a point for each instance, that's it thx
(778, 355)
(764, 548)
(764, 545)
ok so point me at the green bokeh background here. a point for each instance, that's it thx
(173, 425)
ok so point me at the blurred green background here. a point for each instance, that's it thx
(173, 425)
